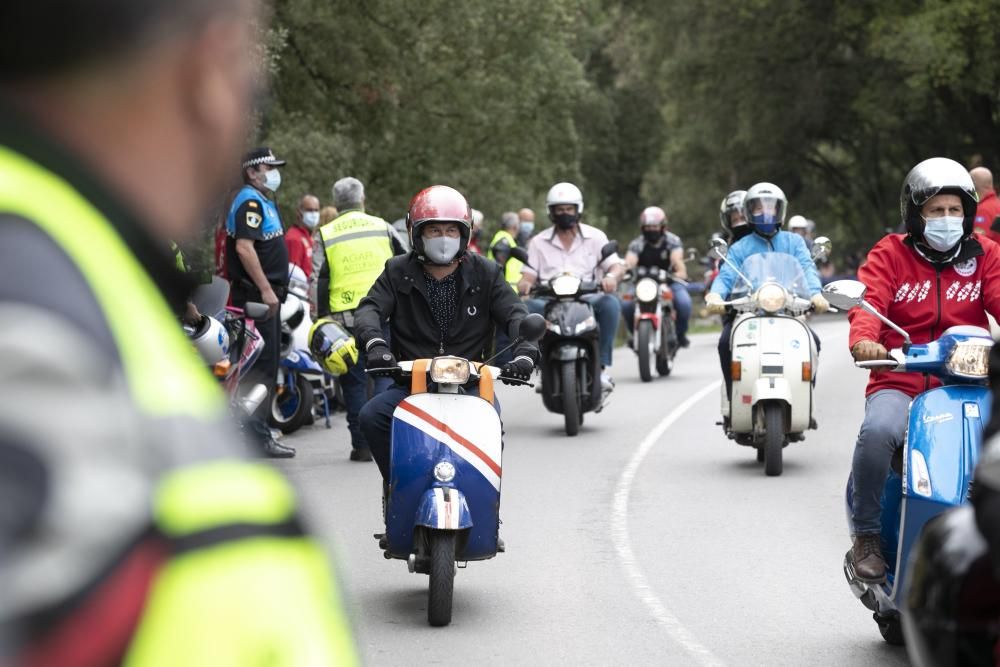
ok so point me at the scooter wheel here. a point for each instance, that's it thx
(891, 628)
(441, 545)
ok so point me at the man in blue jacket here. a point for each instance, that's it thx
(764, 206)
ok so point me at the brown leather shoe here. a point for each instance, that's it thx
(867, 556)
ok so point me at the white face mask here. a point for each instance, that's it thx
(442, 249)
(272, 179)
(310, 219)
(944, 233)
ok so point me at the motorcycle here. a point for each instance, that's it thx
(655, 328)
(933, 470)
(234, 340)
(774, 357)
(442, 505)
(570, 361)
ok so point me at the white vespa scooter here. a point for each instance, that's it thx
(774, 360)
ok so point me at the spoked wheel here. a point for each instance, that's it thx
(441, 544)
(571, 398)
(774, 438)
(665, 360)
(291, 408)
(644, 347)
(891, 628)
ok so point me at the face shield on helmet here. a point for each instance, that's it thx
(439, 204)
(564, 194)
(937, 176)
(332, 347)
(731, 211)
(764, 207)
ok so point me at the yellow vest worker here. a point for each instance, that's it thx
(357, 246)
(512, 269)
(171, 549)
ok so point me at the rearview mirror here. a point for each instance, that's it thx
(520, 254)
(255, 311)
(822, 247)
(610, 248)
(719, 248)
(845, 294)
(532, 327)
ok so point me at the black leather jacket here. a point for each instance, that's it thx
(399, 296)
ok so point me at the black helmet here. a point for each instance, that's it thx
(936, 176)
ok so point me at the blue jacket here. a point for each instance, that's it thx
(754, 244)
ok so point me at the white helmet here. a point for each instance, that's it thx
(292, 311)
(797, 222)
(564, 193)
(211, 339)
(298, 284)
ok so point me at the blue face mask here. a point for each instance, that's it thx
(527, 228)
(764, 224)
(944, 233)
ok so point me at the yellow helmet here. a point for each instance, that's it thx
(333, 348)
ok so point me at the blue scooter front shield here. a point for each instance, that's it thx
(465, 431)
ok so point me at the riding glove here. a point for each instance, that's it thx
(518, 369)
(714, 303)
(379, 356)
(820, 304)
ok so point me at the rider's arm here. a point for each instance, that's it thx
(801, 253)
(991, 279)
(631, 260)
(880, 276)
(323, 289)
(507, 311)
(677, 265)
(529, 271)
(726, 280)
(373, 311)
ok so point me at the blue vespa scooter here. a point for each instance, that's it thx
(931, 473)
(443, 501)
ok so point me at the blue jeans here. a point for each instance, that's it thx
(606, 310)
(682, 304)
(354, 384)
(376, 422)
(882, 432)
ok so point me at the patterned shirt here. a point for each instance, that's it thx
(443, 298)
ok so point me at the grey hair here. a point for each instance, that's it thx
(348, 193)
(509, 220)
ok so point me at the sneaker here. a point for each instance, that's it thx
(866, 555)
(607, 386)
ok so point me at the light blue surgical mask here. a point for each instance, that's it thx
(272, 180)
(527, 228)
(944, 233)
(310, 219)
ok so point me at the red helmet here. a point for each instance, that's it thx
(652, 215)
(438, 203)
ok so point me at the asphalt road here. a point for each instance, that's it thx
(648, 539)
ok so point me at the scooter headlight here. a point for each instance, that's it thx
(450, 370)
(444, 472)
(566, 285)
(771, 297)
(970, 359)
(645, 290)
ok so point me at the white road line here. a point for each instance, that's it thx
(623, 544)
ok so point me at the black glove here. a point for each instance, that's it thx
(379, 356)
(518, 369)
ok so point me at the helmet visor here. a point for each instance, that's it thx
(766, 213)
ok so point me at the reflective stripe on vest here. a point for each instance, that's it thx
(164, 372)
(512, 269)
(357, 247)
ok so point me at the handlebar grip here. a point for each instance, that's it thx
(877, 363)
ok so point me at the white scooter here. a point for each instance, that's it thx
(774, 355)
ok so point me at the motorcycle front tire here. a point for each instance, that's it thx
(303, 394)
(572, 412)
(644, 347)
(665, 360)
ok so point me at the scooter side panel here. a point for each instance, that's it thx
(464, 430)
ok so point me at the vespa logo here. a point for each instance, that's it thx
(938, 419)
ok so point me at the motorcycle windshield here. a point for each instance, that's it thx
(774, 267)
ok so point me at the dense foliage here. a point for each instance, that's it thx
(640, 102)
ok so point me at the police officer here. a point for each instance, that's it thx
(357, 247)
(257, 260)
(132, 529)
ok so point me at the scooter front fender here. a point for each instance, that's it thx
(444, 508)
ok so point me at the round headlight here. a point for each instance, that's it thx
(444, 472)
(771, 297)
(645, 290)
(566, 285)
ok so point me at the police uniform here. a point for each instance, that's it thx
(356, 246)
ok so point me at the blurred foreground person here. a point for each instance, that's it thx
(131, 530)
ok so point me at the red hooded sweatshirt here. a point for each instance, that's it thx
(924, 299)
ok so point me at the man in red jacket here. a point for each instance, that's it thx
(988, 209)
(935, 276)
(299, 237)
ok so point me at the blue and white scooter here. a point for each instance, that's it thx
(443, 501)
(932, 472)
